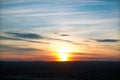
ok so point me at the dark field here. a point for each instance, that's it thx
(86, 70)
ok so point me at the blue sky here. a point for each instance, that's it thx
(91, 23)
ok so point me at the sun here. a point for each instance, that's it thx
(63, 56)
(63, 53)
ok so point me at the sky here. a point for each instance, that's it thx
(41, 30)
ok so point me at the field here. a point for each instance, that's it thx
(84, 70)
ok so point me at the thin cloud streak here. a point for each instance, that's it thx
(9, 48)
(19, 39)
(55, 14)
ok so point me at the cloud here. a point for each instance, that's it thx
(65, 35)
(9, 48)
(72, 42)
(113, 47)
(17, 14)
(19, 39)
(36, 36)
(4, 46)
(8, 38)
(107, 40)
(27, 49)
(89, 54)
(26, 35)
(56, 33)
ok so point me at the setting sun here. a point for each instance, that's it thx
(63, 56)
(63, 53)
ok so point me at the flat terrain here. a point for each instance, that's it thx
(85, 70)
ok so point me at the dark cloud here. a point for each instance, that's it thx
(10, 48)
(27, 49)
(56, 33)
(4, 46)
(8, 38)
(20, 39)
(65, 35)
(106, 40)
(93, 54)
(26, 35)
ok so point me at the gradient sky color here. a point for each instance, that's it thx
(34, 30)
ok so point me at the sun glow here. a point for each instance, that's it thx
(64, 50)
(63, 56)
(64, 53)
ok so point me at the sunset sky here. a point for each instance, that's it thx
(59, 30)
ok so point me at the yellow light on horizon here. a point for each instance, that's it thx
(63, 56)
(63, 53)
